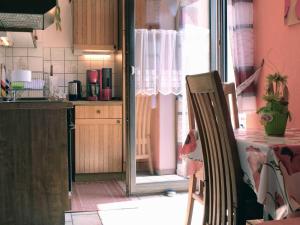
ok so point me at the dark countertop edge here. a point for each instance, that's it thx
(51, 105)
(96, 103)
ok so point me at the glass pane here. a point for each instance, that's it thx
(172, 40)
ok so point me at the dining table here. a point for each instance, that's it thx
(270, 165)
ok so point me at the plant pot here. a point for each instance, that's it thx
(277, 126)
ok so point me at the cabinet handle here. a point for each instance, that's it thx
(118, 121)
(98, 111)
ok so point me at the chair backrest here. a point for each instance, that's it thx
(230, 96)
(143, 118)
(223, 175)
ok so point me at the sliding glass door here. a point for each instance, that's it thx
(165, 41)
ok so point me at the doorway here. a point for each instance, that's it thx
(166, 40)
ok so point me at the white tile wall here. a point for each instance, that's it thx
(35, 64)
(66, 65)
(57, 53)
(71, 67)
(37, 52)
(19, 52)
(83, 66)
(8, 52)
(69, 54)
(58, 66)
(70, 77)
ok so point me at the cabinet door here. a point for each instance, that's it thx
(95, 24)
(98, 147)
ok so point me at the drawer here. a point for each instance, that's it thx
(98, 112)
(91, 112)
(115, 111)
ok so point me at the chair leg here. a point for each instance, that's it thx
(150, 162)
(191, 200)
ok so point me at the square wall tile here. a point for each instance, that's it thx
(19, 52)
(83, 66)
(57, 53)
(109, 64)
(20, 62)
(2, 52)
(82, 79)
(47, 54)
(47, 65)
(69, 54)
(38, 52)
(71, 66)
(35, 64)
(8, 51)
(2, 60)
(70, 77)
(95, 65)
(58, 66)
(9, 63)
(57, 80)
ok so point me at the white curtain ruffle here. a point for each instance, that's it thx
(157, 62)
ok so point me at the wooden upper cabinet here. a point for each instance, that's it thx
(95, 24)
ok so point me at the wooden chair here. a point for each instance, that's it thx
(143, 119)
(223, 194)
(197, 180)
(230, 96)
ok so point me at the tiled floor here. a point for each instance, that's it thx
(82, 218)
(105, 203)
(145, 210)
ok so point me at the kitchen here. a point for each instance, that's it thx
(61, 104)
(108, 114)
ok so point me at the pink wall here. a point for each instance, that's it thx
(50, 37)
(278, 44)
(163, 135)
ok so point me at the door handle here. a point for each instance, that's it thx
(132, 70)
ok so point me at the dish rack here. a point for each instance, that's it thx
(38, 87)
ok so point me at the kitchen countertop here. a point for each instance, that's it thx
(35, 104)
(91, 103)
(51, 104)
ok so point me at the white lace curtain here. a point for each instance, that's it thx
(157, 62)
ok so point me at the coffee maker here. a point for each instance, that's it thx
(94, 85)
(106, 84)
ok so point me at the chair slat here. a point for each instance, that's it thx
(143, 127)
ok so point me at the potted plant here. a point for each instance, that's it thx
(275, 113)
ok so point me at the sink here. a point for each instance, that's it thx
(34, 100)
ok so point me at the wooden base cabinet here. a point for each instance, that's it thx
(98, 143)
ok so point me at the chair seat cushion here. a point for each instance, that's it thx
(192, 146)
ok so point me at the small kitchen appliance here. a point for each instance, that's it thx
(106, 84)
(74, 90)
(93, 86)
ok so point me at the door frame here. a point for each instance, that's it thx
(129, 16)
(130, 97)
